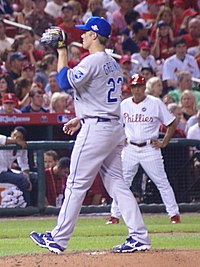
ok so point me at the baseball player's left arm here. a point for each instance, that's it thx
(169, 133)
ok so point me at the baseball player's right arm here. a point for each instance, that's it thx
(62, 58)
(72, 126)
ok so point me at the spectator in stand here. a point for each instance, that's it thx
(78, 11)
(154, 87)
(163, 43)
(191, 121)
(55, 181)
(177, 112)
(126, 65)
(195, 52)
(53, 8)
(178, 62)
(147, 73)
(5, 42)
(5, 60)
(125, 35)
(184, 82)
(36, 102)
(152, 11)
(92, 5)
(140, 32)
(178, 9)
(28, 71)
(50, 159)
(21, 44)
(193, 35)
(188, 14)
(39, 20)
(52, 85)
(118, 15)
(38, 53)
(165, 14)
(6, 85)
(126, 91)
(9, 103)
(144, 58)
(16, 63)
(167, 99)
(67, 25)
(188, 104)
(44, 68)
(21, 180)
(61, 102)
(27, 8)
(110, 5)
(131, 16)
(22, 89)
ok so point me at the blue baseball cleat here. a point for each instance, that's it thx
(130, 245)
(46, 241)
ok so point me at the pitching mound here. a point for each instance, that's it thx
(153, 258)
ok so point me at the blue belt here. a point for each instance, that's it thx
(98, 119)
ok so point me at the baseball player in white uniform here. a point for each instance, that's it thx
(96, 81)
(142, 115)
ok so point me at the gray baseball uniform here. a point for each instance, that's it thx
(97, 83)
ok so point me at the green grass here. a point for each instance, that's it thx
(92, 233)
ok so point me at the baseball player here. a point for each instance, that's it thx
(96, 81)
(142, 115)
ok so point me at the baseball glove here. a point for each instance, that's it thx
(54, 37)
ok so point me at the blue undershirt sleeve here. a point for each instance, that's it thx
(62, 79)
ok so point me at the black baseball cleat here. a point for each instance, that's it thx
(46, 241)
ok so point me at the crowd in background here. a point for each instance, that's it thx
(159, 39)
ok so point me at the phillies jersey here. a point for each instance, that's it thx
(92, 98)
(142, 120)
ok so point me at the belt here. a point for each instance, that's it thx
(139, 145)
(99, 119)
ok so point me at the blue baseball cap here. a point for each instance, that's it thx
(98, 25)
(17, 55)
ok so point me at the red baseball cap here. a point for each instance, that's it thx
(28, 65)
(190, 13)
(124, 59)
(137, 79)
(9, 98)
(179, 3)
(145, 45)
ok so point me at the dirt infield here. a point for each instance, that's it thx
(153, 258)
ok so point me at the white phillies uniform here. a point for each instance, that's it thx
(142, 122)
(172, 67)
(97, 83)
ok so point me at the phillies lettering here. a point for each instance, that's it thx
(137, 118)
